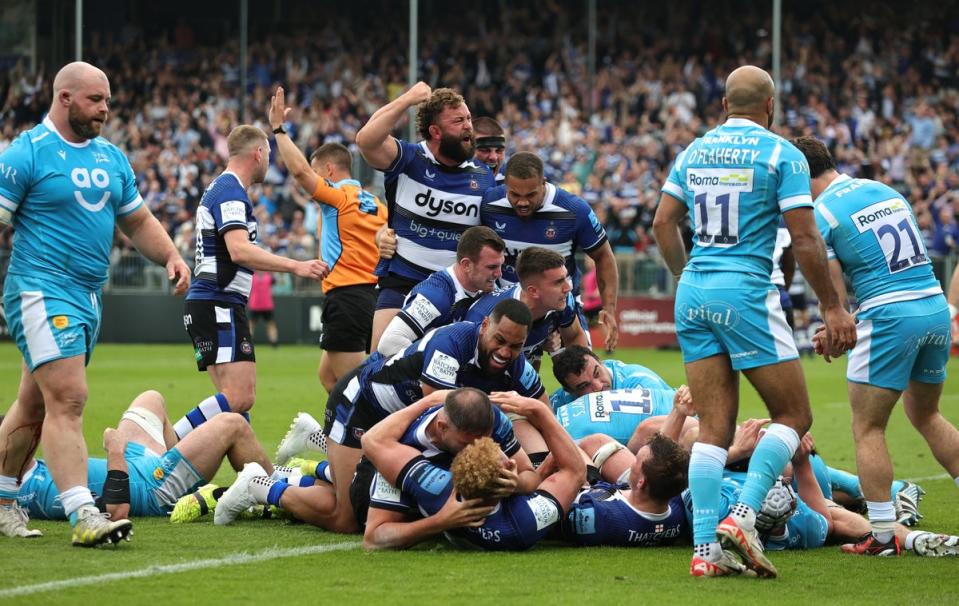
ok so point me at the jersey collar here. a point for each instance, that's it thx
(52, 127)
(837, 182)
(451, 270)
(740, 123)
(340, 184)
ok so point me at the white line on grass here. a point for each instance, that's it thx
(938, 476)
(240, 558)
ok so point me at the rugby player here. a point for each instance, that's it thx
(872, 237)
(485, 518)
(226, 256)
(490, 145)
(529, 211)
(445, 296)
(433, 189)
(735, 182)
(581, 372)
(65, 189)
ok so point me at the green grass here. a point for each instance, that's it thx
(435, 573)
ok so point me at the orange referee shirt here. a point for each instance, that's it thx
(350, 218)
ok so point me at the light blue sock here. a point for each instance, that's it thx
(843, 481)
(772, 453)
(706, 464)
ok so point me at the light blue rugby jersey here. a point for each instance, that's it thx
(63, 199)
(869, 227)
(564, 224)
(624, 376)
(735, 181)
(430, 206)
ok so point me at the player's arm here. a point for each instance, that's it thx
(376, 144)
(573, 334)
(294, 159)
(810, 252)
(381, 444)
(116, 488)
(838, 282)
(397, 337)
(387, 529)
(149, 237)
(669, 214)
(249, 255)
(607, 278)
(673, 424)
(809, 490)
(571, 468)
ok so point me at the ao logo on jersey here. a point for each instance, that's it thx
(85, 179)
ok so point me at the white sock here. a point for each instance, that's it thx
(911, 538)
(882, 517)
(317, 441)
(9, 487)
(260, 488)
(75, 498)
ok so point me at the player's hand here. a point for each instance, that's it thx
(511, 402)
(278, 109)
(113, 440)
(806, 445)
(313, 269)
(746, 437)
(470, 513)
(179, 273)
(553, 342)
(507, 481)
(386, 242)
(841, 330)
(418, 93)
(608, 322)
(683, 401)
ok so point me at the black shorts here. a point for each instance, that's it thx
(266, 315)
(360, 490)
(220, 332)
(348, 415)
(348, 318)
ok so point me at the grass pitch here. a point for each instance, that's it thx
(270, 561)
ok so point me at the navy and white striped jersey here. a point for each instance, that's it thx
(417, 437)
(541, 328)
(602, 515)
(224, 206)
(445, 358)
(436, 301)
(565, 223)
(430, 206)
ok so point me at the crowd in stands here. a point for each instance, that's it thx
(881, 88)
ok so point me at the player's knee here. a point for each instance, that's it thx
(66, 401)
(240, 399)
(594, 442)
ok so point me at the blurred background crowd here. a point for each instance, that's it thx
(882, 90)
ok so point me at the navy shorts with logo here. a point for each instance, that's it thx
(220, 332)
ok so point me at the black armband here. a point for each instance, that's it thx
(116, 489)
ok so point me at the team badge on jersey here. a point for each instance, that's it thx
(550, 232)
(474, 184)
(158, 474)
(61, 322)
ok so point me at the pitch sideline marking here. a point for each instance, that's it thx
(242, 558)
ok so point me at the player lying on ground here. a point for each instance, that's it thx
(146, 469)
(467, 502)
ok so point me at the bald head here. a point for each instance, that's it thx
(73, 76)
(748, 89)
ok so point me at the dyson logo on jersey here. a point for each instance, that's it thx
(435, 206)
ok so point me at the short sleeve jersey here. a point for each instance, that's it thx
(735, 182)
(224, 206)
(540, 329)
(436, 301)
(602, 515)
(430, 206)
(870, 229)
(63, 200)
(565, 223)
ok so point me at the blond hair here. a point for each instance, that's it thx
(476, 468)
(244, 138)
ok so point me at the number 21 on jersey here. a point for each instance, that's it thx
(895, 229)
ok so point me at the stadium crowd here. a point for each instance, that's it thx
(884, 98)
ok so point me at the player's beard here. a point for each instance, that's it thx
(85, 128)
(453, 147)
